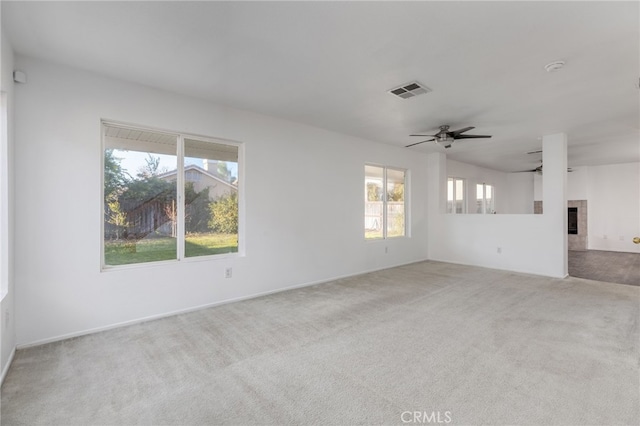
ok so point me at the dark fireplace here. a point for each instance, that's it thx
(573, 220)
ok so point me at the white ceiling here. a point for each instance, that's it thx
(330, 64)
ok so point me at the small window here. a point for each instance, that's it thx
(163, 199)
(385, 207)
(485, 199)
(455, 196)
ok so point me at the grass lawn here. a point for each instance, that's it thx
(154, 249)
(370, 234)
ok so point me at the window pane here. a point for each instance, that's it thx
(211, 198)
(450, 195)
(395, 203)
(459, 196)
(373, 201)
(459, 189)
(479, 198)
(140, 209)
(489, 200)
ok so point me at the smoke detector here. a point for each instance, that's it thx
(554, 66)
(409, 90)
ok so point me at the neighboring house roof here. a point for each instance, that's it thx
(199, 169)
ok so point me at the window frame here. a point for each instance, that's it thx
(453, 200)
(406, 228)
(484, 197)
(180, 181)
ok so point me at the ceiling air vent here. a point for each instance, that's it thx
(409, 90)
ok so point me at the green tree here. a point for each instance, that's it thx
(374, 192)
(139, 191)
(396, 193)
(224, 214)
(197, 212)
(116, 216)
(151, 168)
(224, 172)
(115, 178)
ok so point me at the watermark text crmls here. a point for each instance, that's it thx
(426, 417)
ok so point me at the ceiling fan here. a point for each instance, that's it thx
(538, 170)
(446, 137)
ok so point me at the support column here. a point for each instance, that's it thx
(437, 197)
(554, 196)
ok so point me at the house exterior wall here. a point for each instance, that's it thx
(217, 189)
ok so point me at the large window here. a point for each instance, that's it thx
(167, 196)
(485, 199)
(384, 196)
(455, 196)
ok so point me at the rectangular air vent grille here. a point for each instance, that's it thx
(409, 90)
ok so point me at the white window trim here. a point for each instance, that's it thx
(484, 196)
(180, 137)
(384, 202)
(464, 195)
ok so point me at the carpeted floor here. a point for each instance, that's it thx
(475, 345)
(609, 266)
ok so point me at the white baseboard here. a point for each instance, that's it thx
(5, 368)
(200, 307)
(497, 268)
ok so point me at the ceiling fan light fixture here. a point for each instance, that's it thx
(445, 140)
(554, 66)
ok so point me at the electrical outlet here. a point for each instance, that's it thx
(228, 272)
(499, 250)
(604, 237)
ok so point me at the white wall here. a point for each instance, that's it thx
(538, 190)
(520, 193)
(577, 183)
(304, 205)
(613, 204)
(613, 207)
(528, 243)
(7, 311)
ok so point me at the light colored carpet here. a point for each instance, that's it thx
(489, 347)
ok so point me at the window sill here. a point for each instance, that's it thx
(216, 257)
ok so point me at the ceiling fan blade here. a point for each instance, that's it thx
(470, 136)
(430, 136)
(417, 143)
(535, 152)
(457, 132)
(526, 171)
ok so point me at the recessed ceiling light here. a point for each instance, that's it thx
(554, 66)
